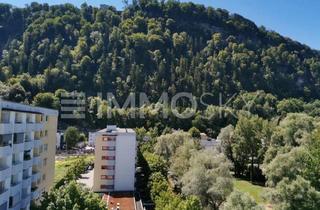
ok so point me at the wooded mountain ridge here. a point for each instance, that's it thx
(150, 47)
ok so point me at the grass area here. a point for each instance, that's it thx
(62, 165)
(255, 191)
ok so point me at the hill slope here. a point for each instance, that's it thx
(150, 47)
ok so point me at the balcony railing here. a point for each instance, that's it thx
(5, 117)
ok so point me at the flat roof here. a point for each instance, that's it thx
(125, 200)
(118, 131)
(13, 106)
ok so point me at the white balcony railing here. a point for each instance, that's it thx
(16, 167)
(36, 176)
(4, 196)
(15, 188)
(28, 145)
(5, 172)
(5, 151)
(25, 200)
(26, 182)
(6, 128)
(18, 147)
(27, 164)
(35, 193)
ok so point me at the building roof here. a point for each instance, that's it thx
(13, 106)
(124, 200)
(117, 131)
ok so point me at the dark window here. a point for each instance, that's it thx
(108, 148)
(108, 177)
(108, 157)
(106, 186)
(107, 167)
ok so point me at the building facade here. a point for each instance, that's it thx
(27, 153)
(115, 159)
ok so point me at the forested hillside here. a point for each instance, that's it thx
(151, 47)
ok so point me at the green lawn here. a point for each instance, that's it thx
(255, 191)
(62, 166)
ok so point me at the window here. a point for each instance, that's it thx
(45, 161)
(45, 133)
(103, 186)
(45, 147)
(108, 148)
(108, 177)
(107, 167)
(47, 118)
(43, 177)
(108, 138)
(108, 157)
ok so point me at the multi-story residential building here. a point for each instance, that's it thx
(115, 158)
(27, 153)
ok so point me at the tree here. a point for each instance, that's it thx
(291, 105)
(240, 201)
(226, 138)
(71, 136)
(180, 161)
(294, 130)
(208, 178)
(298, 161)
(167, 144)
(47, 100)
(288, 165)
(71, 196)
(14, 93)
(296, 194)
(251, 135)
(194, 132)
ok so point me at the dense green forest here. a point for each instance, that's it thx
(150, 46)
(154, 47)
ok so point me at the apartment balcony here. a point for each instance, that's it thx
(17, 206)
(15, 188)
(37, 143)
(37, 160)
(18, 147)
(4, 196)
(26, 182)
(35, 176)
(25, 200)
(35, 193)
(5, 150)
(27, 163)
(28, 145)
(6, 128)
(5, 172)
(19, 127)
(16, 167)
(34, 126)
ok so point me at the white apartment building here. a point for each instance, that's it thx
(27, 153)
(115, 159)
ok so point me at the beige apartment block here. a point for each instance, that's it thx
(27, 153)
(115, 159)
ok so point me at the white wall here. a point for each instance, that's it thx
(125, 162)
